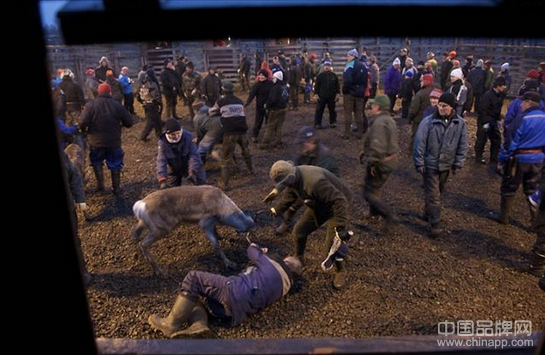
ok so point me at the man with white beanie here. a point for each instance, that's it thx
(276, 107)
(504, 71)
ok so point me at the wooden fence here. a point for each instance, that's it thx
(522, 54)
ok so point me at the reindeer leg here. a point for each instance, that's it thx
(145, 245)
(136, 231)
(209, 227)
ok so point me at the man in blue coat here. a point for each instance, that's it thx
(440, 146)
(177, 157)
(523, 160)
(232, 298)
(353, 89)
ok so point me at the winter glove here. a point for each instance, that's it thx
(271, 196)
(344, 234)
(309, 203)
(421, 169)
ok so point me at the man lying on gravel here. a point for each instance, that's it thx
(232, 298)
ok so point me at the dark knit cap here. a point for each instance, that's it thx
(449, 99)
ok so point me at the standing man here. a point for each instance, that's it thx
(244, 71)
(477, 78)
(149, 95)
(126, 85)
(233, 120)
(489, 120)
(102, 69)
(420, 102)
(211, 87)
(392, 83)
(102, 120)
(327, 199)
(354, 84)
(260, 91)
(375, 76)
(171, 87)
(191, 86)
(276, 105)
(379, 154)
(523, 159)
(446, 68)
(440, 147)
(74, 97)
(327, 88)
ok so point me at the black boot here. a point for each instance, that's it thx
(99, 174)
(249, 165)
(177, 316)
(116, 181)
(435, 230)
(339, 280)
(505, 207)
(542, 282)
(537, 264)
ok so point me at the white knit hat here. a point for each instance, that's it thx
(396, 62)
(457, 73)
(505, 66)
(278, 75)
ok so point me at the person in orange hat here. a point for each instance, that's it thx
(446, 67)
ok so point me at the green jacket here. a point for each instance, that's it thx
(329, 194)
(380, 141)
(321, 156)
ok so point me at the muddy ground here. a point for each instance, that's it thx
(399, 284)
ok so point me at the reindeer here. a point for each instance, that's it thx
(162, 211)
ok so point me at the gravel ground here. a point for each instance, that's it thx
(399, 284)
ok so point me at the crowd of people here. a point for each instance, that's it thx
(436, 99)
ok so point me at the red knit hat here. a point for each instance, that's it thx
(427, 80)
(436, 93)
(533, 74)
(104, 88)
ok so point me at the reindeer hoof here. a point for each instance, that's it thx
(161, 273)
(231, 265)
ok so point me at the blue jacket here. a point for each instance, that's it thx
(257, 287)
(513, 119)
(530, 135)
(179, 159)
(392, 81)
(126, 84)
(354, 78)
(439, 145)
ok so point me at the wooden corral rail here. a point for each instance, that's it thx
(522, 54)
(425, 344)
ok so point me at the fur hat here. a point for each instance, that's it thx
(281, 169)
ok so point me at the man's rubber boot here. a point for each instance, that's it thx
(198, 325)
(505, 207)
(116, 181)
(178, 315)
(339, 281)
(99, 174)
